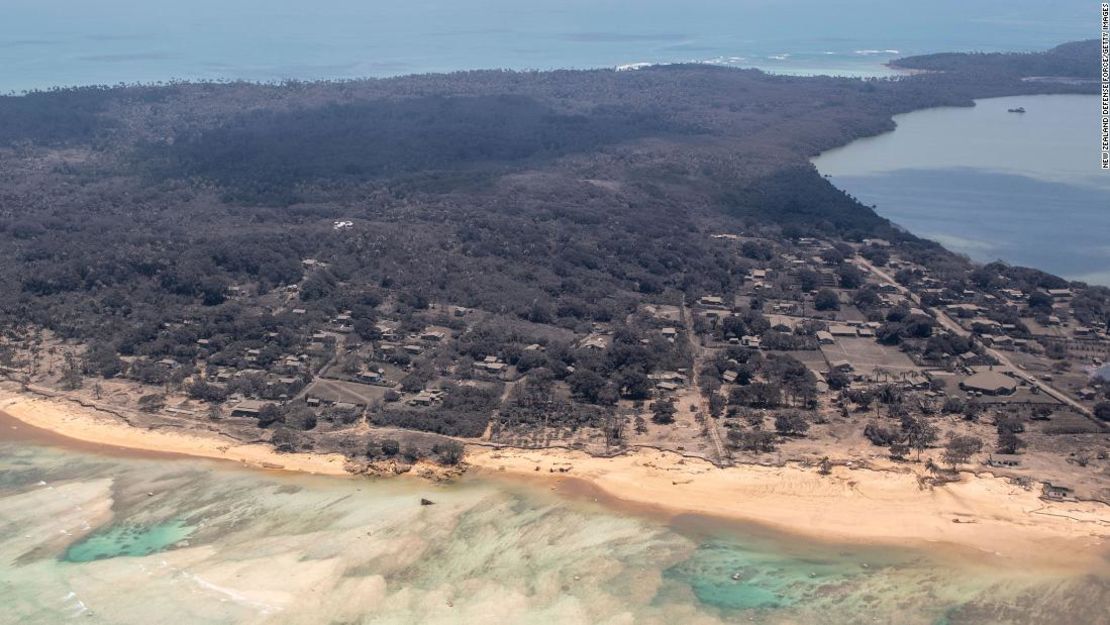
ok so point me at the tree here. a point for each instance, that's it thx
(663, 411)
(717, 404)
(755, 440)
(1008, 441)
(850, 276)
(300, 416)
(960, 448)
(390, 447)
(1102, 410)
(838, 379)
(101, 359)
(614, 427)
(71, 373)
(920, 434)
(586, 384)
(411, 453)
(449, 452)
(152, 402)
(268, 414)
(825, 466)
(898, 450)
(203, 391)
(284, 439)
(878, 435)
(808, 280)
(826, 299)
(791, 424)
(757, 395)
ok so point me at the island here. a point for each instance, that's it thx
(629, 280)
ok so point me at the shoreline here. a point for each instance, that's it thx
(91, 428)
(981, 514)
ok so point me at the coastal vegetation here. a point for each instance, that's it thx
(595, 259)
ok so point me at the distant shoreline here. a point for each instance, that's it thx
(852, 505)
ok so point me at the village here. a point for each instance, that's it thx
(824, 352)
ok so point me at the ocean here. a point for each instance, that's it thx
(47, 43)
(994, 185)
(122, 540)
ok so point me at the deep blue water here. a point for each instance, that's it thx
(989, 216)
(46, 43)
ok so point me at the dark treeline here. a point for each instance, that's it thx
(263, 155)
(1078, 59)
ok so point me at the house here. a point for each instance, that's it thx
(825, 338)
(729, 377)
(247, 408)
(669, 333)
(369, 376)
(842, 330)
(432, 336)
(427, 397)
(841, 365)
(990, 383)
(491, 364)
(877, 242)
(343, 324)
(595, 342)
(1056, 492)
(712, 301)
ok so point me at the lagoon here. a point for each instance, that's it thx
(1024, 188)
(138, 540)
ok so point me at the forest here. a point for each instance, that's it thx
(1077, 60)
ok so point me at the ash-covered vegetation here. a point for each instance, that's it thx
(476, 254)
(1077, 59)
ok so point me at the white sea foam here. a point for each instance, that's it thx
(633, 66)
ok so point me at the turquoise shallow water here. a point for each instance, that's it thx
(122, 541)
(128, 540)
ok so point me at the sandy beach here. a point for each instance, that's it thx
(887, 506)
(88, 425)
(849, 505)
